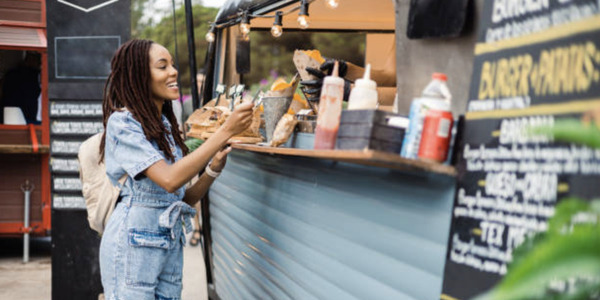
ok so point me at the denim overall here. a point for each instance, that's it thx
(141, 254)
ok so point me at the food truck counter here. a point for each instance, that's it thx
(304, 224)
(366, 157)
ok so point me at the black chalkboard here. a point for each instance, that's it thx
(534, 66)
(82, 38)
(75, 257)
(86, 57)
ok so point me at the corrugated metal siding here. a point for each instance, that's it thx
(21, 11)
(299, 228)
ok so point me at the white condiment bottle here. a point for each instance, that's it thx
(364, 93)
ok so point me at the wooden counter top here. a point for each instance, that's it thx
(367, 157)
(18, 149)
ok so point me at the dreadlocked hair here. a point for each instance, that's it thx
(128, 86)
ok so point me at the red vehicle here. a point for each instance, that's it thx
(24, 149)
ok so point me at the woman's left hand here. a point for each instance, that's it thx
(219, 160)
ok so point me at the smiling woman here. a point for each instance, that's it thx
(164, 75)
(141, 253)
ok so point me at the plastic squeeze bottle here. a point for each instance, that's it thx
(364, 93)
(330, 111)
(436, 94)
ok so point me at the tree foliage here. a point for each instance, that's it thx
(164, 33)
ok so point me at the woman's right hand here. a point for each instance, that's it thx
(240, 119)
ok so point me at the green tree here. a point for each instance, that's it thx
(163, 33)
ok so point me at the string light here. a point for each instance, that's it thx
(210, 35)
(245, 24)
(276, 30)
(303, 15)
(332, 3)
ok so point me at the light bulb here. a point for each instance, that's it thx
(210, 37)
(245, 37)
(245, 24)
(333, 3)
(276, 31)
(245, 28)
(303, 21)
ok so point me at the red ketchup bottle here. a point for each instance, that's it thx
(330, 111)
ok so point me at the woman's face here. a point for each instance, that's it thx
(163, 75)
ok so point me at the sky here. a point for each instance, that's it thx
(213, 3)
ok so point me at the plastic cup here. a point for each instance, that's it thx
(14, 116)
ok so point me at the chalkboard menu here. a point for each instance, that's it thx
(82, 38)
(536, 63)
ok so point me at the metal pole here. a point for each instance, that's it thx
(192, 57)
(26, 188)
(176, 50)
(189, 22)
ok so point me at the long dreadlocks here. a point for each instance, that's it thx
(128, 85)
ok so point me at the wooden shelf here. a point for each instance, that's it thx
(19, 127)
(367, 157)
(17, 149)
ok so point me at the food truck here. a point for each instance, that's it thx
(292, 222)
(24, 131)
(297, 223)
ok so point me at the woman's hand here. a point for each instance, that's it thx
(200, 187)
(219, 160)
(239, 120)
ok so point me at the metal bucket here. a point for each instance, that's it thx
(275, 108)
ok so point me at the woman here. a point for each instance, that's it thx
(141, 250)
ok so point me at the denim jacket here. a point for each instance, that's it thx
(141, 253)
(128, 151)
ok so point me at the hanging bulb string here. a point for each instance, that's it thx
(244, 17)
(238, 17)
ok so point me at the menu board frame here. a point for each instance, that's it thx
(534, 65)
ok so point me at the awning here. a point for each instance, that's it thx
(22, 38)
(349, 15)
(231, 7)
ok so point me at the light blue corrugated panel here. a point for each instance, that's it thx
(301, 228)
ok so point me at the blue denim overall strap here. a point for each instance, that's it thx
(176, 211)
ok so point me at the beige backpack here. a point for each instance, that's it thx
(99, 193)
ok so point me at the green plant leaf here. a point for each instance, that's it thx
(572, 131)
(563, 213)
(566, 251)
(193, 143)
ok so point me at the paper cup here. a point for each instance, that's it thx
(14, 116)
(275, 108)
